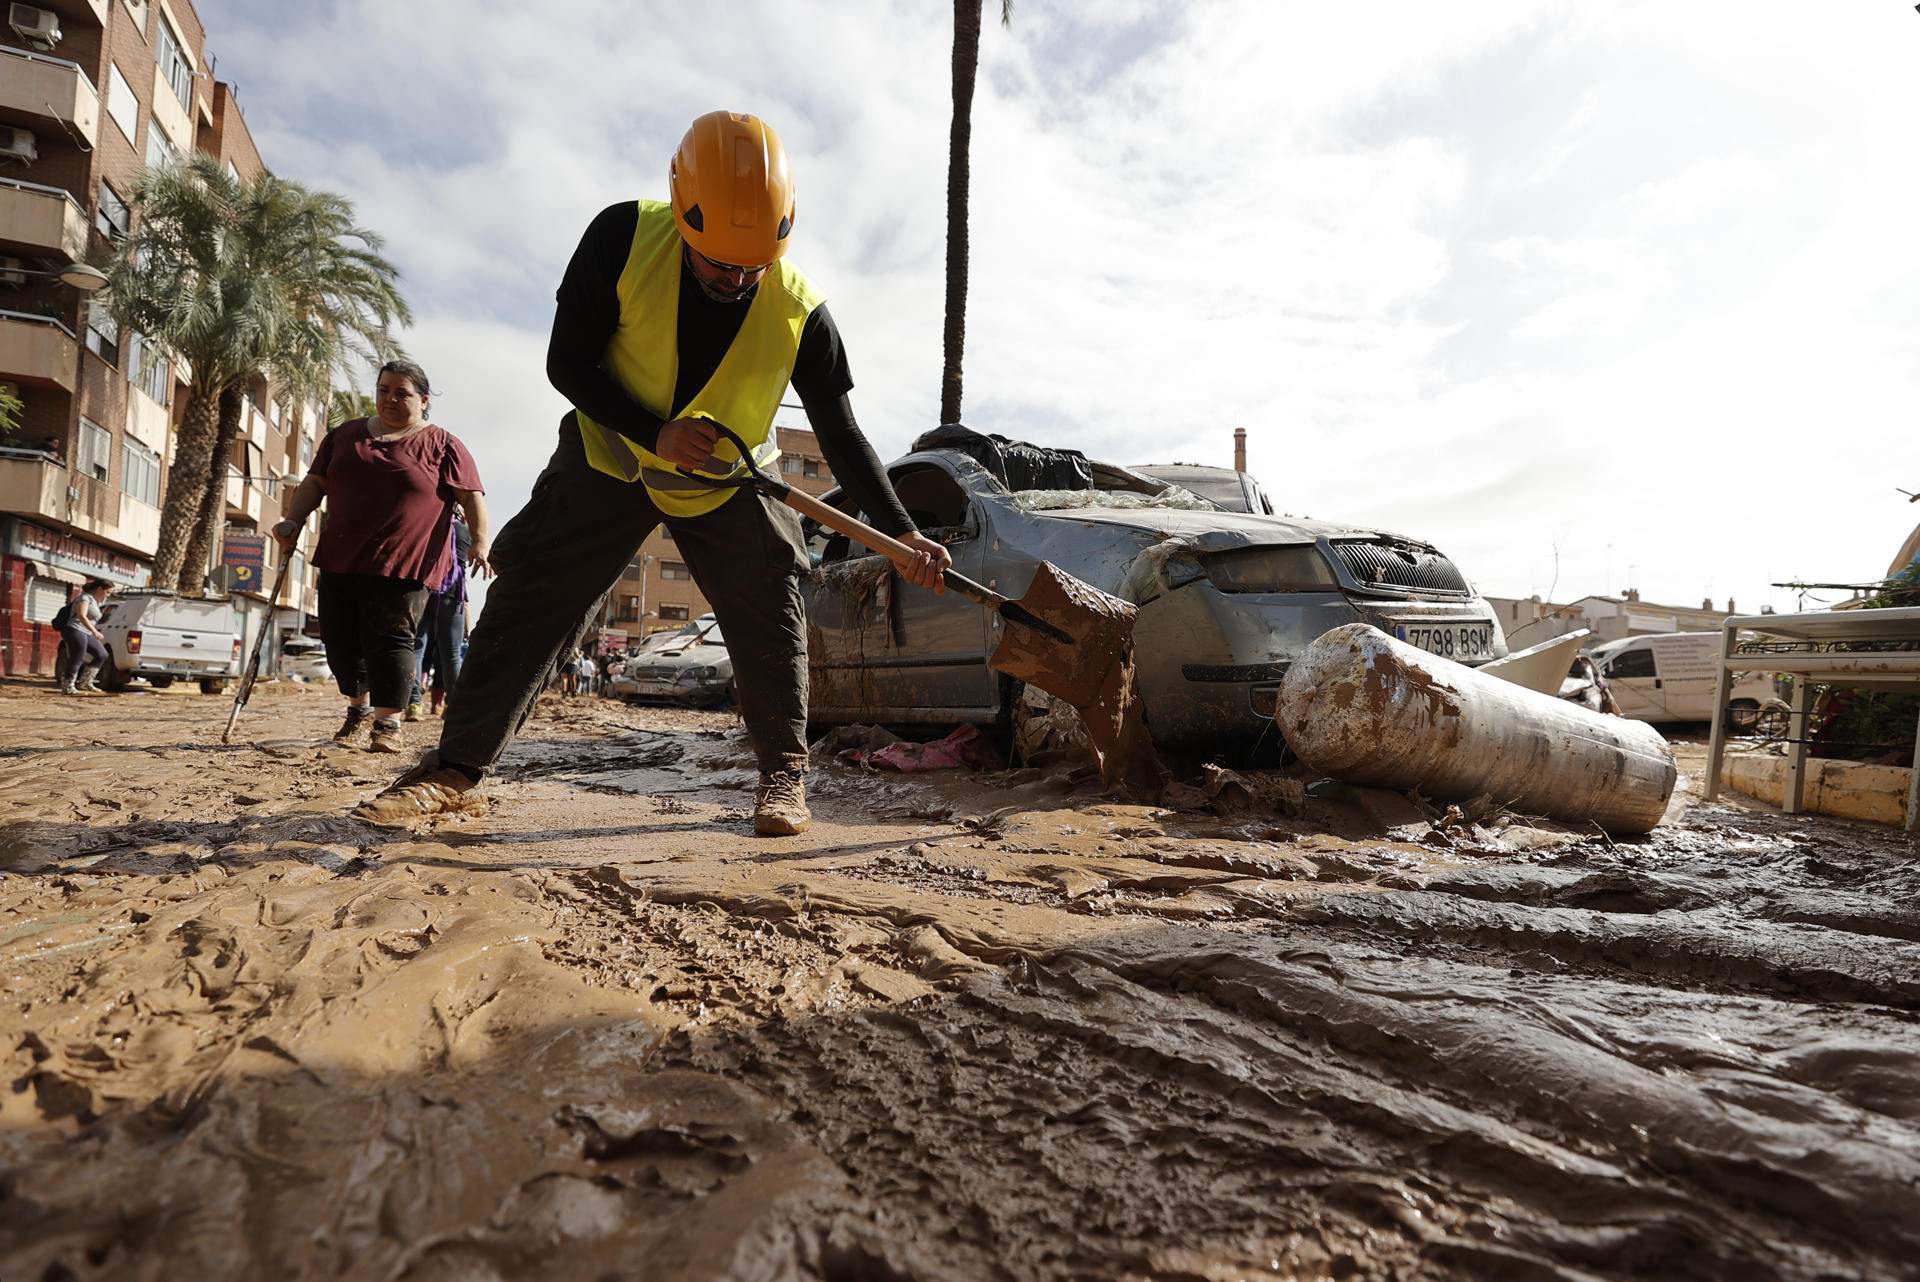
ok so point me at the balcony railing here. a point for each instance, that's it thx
(41, 218)
(38, 350)
(37, 88)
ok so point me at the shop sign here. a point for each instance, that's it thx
(66, 552)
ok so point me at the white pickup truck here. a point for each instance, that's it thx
(162, 635)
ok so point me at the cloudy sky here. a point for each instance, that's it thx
(1588, 295)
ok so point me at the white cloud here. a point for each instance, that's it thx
(1499, 275)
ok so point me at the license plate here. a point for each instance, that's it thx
(1461, 641)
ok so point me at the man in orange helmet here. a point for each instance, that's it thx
(673, 317)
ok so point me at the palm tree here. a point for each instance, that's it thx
(248, 281)
(966, 66)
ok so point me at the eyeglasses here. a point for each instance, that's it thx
(719, 266)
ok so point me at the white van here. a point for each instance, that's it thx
(1670, 677)
(163, 635)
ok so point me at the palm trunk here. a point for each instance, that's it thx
(180, 509)
(213, 493)
(966, 64)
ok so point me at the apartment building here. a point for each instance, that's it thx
(1529, 620)
(91, 91)
(658, 590)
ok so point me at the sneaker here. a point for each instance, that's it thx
(413, 710)
(358, 715)
(386, 735)
(780, 804)
(427, 789)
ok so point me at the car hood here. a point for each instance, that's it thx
(1209, 531)
(691, 657)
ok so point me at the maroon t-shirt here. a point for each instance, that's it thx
(388, 505)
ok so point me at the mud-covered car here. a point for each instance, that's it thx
(1227, 599)
(691, 668)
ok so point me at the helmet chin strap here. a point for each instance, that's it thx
(721, 295)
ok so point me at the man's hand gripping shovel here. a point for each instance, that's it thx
(1062, 636)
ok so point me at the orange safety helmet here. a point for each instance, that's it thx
(732, 189)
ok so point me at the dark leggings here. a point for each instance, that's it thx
(367, 622)
(86, 647)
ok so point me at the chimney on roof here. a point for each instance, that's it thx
(1239, 449)
(1631, 594)
(1706, 603)
(1730, 609)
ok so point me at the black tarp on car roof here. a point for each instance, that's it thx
(1018, 465)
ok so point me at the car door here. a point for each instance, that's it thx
(1630, 675)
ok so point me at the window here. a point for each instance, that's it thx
(112, 219)
(103, 334)
(673, 613)
(810, 467)
(160, 149)
(1631, 663)
(173, 63)
(121, 103)
(138, 8)
(790, 465)
(140, 471)
(674, 570)
(96, 450)
(149, 368)
(233, 171)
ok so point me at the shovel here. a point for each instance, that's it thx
(1062, 636)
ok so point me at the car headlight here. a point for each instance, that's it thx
(705, 672)
(1281, 569)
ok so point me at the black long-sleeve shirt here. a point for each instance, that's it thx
(588, 312)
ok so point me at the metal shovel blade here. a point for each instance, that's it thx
(1082, 635)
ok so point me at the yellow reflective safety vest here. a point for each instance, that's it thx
(644, 358)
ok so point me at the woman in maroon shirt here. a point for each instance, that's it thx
(390, 483)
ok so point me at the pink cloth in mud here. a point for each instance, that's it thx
(964, 749)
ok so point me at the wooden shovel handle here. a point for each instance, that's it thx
(888, 546)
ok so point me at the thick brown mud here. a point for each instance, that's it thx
(970, 1026)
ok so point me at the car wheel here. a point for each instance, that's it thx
(1743, 715)
(112, 678)
(213, 685)
(160, 682)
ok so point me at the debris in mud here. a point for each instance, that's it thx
(1363, 707)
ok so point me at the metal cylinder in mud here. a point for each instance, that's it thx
(1365, 708)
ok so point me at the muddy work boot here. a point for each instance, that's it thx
(428, 789)
(386, 735)
(358, 715)
(413, 710)
(780, 804)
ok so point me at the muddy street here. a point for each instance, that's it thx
(972, 1025)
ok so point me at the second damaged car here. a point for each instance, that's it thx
(692, 668)
(1227, 599)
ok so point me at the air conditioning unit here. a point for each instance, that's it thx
(17, 144)
(12, 272)
(38, 27)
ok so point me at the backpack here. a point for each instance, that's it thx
(63, 616)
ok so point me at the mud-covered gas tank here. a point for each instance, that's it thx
(1365, 708)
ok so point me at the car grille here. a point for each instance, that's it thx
(652, 674)
(1395, 566)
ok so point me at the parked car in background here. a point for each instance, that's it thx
(1227, 599)
(304, 658)
(1226, 489)
(1670, 677)
(161, 636)
(691, 668)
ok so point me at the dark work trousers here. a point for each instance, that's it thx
(560, 556)
(367, 623)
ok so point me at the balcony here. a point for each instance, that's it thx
(78, 10)
(170, 115)
(41, 220)
(39, 485)
(147, 420)
(244, 500)
(38, 350)
(37, 89)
